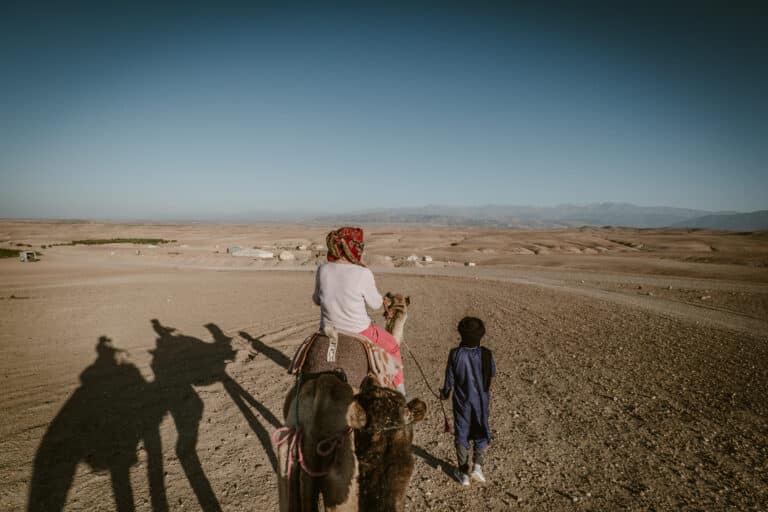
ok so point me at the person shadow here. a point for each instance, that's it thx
(433, 461)
(115, 409)
(101, 424)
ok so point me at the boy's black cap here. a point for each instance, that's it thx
(471, 330)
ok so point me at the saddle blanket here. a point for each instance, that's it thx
(352, 354)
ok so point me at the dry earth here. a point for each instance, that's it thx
(633, 364)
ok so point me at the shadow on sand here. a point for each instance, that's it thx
(101, 425)
(115, 409)
(275, 355)
(243, 400)
(433, 461)
(179, 363)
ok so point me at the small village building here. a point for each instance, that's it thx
(27, 256)
(251, 253)
(286, 256)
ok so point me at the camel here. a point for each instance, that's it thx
(383, 445)
(396, 314)
(352, 451)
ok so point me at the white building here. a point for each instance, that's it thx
(251, 253)
(27, 256)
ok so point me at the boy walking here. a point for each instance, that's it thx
(469, 372)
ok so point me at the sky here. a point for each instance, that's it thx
(188, 111)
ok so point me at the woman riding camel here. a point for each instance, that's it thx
(343, 287)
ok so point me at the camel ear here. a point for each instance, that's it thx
(356, 416)
(408, 300)
(417, 409)
(368, 384)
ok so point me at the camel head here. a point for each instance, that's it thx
(377, 410)
(396, 313)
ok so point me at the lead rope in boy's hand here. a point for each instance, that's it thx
(446, 424)
(386, 302)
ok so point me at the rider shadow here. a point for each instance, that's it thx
(433, 461)
(101, 424)
(272, 353)
(115, 409)
(243, 399)
(180, 363)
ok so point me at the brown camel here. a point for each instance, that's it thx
(355, 451)
(328, 429)
(383, 445)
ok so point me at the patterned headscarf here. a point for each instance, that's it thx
(346, 243)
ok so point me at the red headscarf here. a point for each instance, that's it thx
(346, 243)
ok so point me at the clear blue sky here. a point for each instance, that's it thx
(188, 111)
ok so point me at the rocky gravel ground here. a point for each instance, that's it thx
(599, 403)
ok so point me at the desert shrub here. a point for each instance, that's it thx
(9, 253)
(141, 241)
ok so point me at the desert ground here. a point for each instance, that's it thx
(632, 364)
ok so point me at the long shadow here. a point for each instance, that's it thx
(433, 461)
(101, 424)
(179, 363)
(275, 355)
(115, 409)
(243, 399)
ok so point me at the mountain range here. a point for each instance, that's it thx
(562, 216)
(527, 217)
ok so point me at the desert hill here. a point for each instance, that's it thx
(752, 221)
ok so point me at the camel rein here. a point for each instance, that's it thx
(446, 424)
(293, 436)
(389, 316)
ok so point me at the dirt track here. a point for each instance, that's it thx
(607, 398)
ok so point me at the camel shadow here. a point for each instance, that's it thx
(101, 424)
(275, 355)
(433, 461)
(243, 400)
(181, 362)
(115, 409)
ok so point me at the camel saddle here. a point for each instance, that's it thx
(350, 354)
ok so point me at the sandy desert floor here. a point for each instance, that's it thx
(633, 364)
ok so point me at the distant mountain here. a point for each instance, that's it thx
(752, 221)
(498, 216)
(600, 214)
(526, 217)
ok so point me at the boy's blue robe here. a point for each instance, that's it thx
(464, 374)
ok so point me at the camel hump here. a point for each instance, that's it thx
(333, 351)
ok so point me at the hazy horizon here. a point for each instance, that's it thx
(155, 112)
(278, 216)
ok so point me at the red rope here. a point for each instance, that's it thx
(293, 436)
